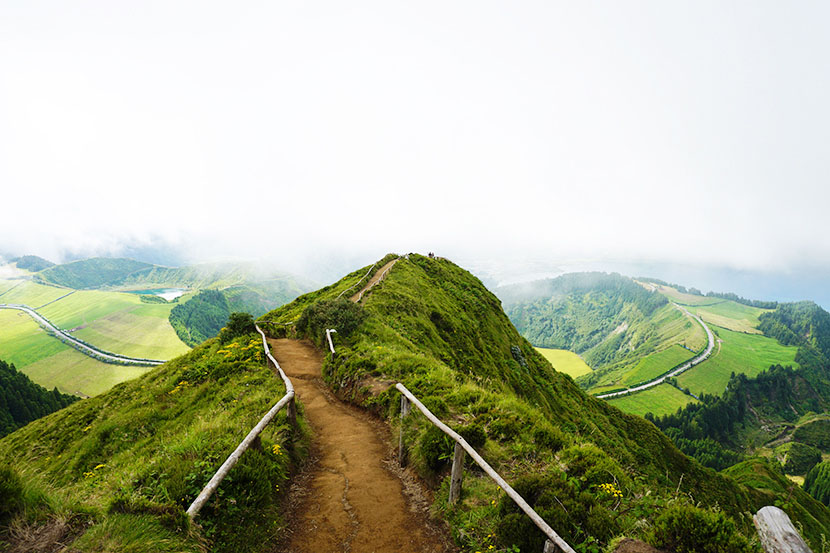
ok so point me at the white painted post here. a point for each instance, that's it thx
(401, 446)
(457, 473)
(328, 336)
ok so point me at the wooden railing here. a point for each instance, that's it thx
(553, 543)
(233, 458)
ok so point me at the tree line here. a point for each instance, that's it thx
(22, 401)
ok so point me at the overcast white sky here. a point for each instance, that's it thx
(693, 132)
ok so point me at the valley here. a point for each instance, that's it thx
(109, 325)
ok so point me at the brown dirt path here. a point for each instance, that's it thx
(379, 274)
(352, 501)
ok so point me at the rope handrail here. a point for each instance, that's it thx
(287, 399)
(518, 499)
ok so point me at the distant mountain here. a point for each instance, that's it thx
(96, 272)
(32, 263)
(22, 401)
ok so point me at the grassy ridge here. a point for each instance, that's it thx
(435, 328)
(121, 467)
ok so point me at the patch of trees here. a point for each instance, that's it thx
(817, 482)
(816, 433)
(801, 458)
(22, 401)
(802, 323)
(201, 317)
(707, 430)
(32, 263)
(738, 299)
(682, 289)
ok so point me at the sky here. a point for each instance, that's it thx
(524, 137)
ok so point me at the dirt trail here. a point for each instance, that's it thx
(379, 274)
(351, 501)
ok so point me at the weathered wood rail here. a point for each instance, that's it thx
(777, 533)
(553, 543)
(233, 458)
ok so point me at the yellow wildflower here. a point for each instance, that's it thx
(87, 428)
(102, 465)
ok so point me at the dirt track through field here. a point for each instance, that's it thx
(352, 500)
(379, 274)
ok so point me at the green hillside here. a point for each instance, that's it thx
(115, 472)
(624, 331)
(91, 273)
(201, 317)
(434, 327)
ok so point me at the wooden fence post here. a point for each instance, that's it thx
(291, 413)
(777, 533)
(401, 446)
(457, 473)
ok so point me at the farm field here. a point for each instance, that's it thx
(730, 315)
(51, 363)
(740, 353)
(72, 372)
(565, 361)
(654, 365)
(32, 294)
(113, 321)
(660, 400)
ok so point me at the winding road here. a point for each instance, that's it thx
(682, 368)
(101, 355)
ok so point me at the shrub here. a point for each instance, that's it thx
(474, 434)
(817, 482)
(549, 437)
(239, 324)
(11, 493)
(435, 448)
(689, 529)
(801, 458)
(340, 314)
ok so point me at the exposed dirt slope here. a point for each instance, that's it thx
(352, 501)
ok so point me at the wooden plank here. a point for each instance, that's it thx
(518, 499)
(232, 459)
(457, 473)
(777, 533)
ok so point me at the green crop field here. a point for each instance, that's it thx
(565, 361)
(32, 294)
(656, 364)
(50, 363)
(731, 315)
(740, 353)
(660, 400)
(72, 372)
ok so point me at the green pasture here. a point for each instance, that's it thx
(685, 299)
(136, 335)
(565, 361)
(51, 363)
(662, 399)
(22, 341)
(739, 353)
(656, 364)
(32, 294)
(72, 372)
(731, 315)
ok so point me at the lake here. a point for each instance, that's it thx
(168, 294)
